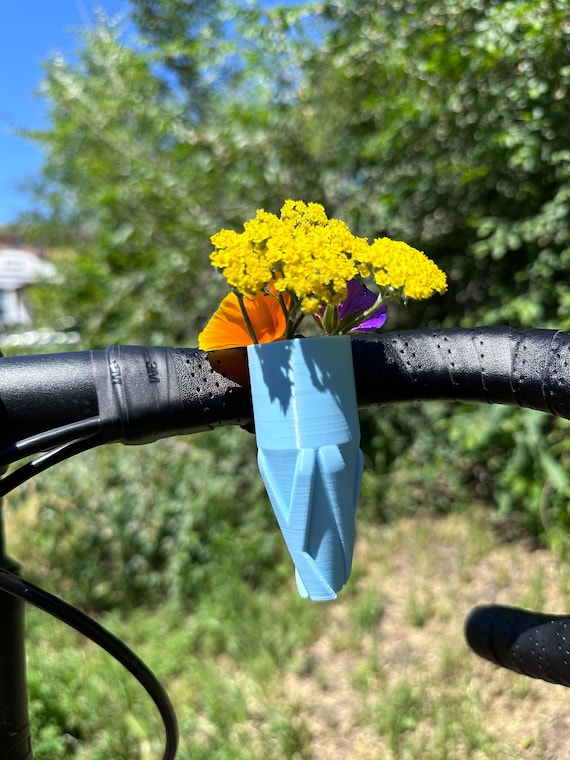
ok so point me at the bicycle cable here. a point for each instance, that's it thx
(42, 442)
(83, 624)
(48, 459)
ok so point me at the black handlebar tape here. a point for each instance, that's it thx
(152, 393)
(495, 365)
(531, 643)
(145, 393)
(42, 392)
(140, 393)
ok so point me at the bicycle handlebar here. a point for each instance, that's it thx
(140, 394)
(534, 644)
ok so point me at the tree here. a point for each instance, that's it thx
(141, 170)
(446, 119)
(119, 164)
(180, 30)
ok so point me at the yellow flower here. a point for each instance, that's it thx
(398, 266)
(314, 256)
(285, 267)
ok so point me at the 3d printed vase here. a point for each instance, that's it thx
(308, 435)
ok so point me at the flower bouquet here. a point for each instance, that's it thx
(287, 273)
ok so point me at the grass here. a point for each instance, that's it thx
(383, 672)
(220, 664)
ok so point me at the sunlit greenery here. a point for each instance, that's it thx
(440, 122)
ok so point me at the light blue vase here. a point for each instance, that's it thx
(308, 436)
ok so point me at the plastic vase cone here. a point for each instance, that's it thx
(308, 435)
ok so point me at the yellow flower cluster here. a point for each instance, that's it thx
(312, 258)
(302, 253)
(398, 266)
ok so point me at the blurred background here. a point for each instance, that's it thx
(444, 123)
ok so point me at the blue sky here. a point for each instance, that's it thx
(31, 30)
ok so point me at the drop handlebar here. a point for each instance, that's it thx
(140, 394)
(66, 402)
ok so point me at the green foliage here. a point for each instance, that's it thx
(520, 460)
(83, 704)
(122, 526)
(405, 471)
(454, 120)
(181, 31)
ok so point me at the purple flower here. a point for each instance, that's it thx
(358, 300)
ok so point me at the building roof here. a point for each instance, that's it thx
(19, 268)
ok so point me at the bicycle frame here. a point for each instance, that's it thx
(15, 735)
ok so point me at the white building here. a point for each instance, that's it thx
(18, 269)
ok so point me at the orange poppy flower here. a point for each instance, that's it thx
(227, 328)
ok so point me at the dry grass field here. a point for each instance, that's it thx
(390, 676)
(383, 672)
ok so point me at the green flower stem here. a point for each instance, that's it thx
(293, 325)
(283, 307)
(376, 305)
(330, 319)
(246, 318)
